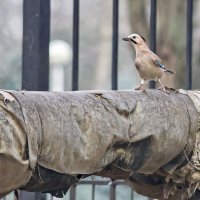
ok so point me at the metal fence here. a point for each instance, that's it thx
(36, 35)
(112, 186)
(35, 61)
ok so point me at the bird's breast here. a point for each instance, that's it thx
(147, 70)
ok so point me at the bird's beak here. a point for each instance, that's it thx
(126, 39)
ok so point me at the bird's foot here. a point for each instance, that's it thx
(167, 88)
(140, 88)
(172, 89)
(164, 89)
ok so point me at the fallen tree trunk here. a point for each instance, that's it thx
(49, 140)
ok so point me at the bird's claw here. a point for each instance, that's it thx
(169, 88)
(172, 90)
(140, 88)
(164, 90)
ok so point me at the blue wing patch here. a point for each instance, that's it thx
(160, 65)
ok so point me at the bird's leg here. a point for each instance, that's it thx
(140, 86)
(162, 87)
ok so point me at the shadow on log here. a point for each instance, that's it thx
(54, 139)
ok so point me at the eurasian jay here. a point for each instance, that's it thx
(148, 64)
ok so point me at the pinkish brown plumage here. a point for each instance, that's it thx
(148, 64)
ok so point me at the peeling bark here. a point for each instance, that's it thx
(52, 139)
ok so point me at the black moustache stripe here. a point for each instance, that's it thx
(133, 41)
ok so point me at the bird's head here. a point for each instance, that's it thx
(136, 39)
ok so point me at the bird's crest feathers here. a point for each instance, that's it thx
(142, 37)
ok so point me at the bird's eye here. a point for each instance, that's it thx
(134, 37)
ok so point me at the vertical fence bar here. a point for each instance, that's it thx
(72, 194)
(115, 25)
(93, 190)
(189, 44)
(36, 34)
(112, 191)
(75, 61)
(132, 194)
(35, 55)
(153, 19)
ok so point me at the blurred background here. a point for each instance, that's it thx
(95, 42)
(95, 50)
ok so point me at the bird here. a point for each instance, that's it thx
(148, 64)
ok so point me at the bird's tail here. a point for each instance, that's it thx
(169, 72)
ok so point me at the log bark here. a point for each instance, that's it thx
(53, 139)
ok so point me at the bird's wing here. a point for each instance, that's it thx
(158, 61)
(159, 64)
